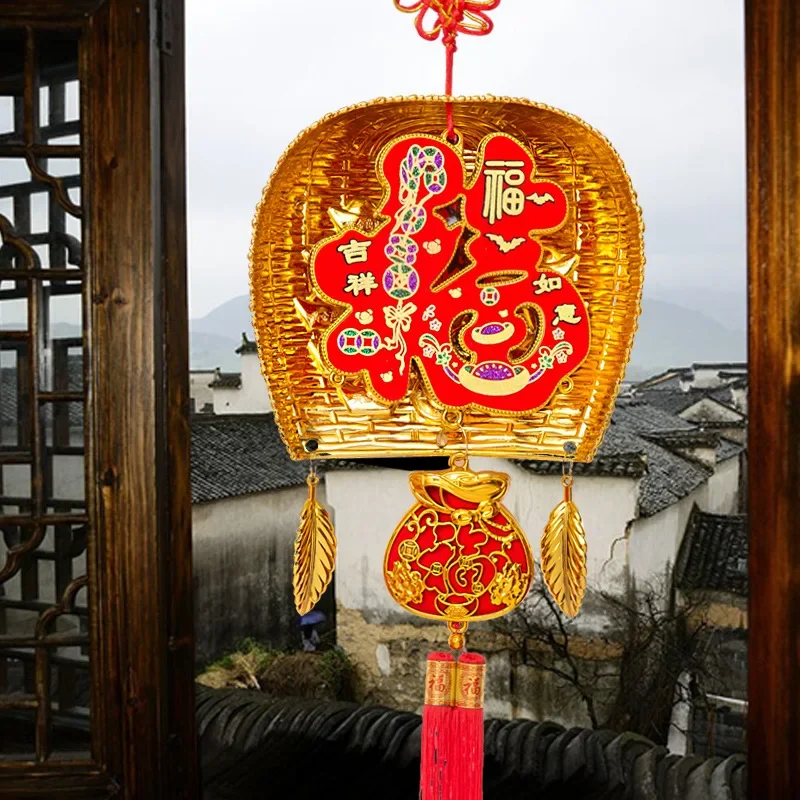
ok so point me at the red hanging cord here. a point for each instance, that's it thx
(452, 17)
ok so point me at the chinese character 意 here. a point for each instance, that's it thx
(354, 252)
(566, 313)
(501, 192)
(547, 285)
(363, 282)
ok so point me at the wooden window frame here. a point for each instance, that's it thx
(137, 459)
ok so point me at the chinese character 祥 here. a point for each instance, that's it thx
(547, 285)
(363, 282)
(566, 313)
(354, 252)
(501, 192)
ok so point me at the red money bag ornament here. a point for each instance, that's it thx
(448, 276)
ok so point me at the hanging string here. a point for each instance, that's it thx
(451, 18)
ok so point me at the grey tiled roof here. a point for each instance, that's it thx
(246, 346)
(728, 449)
(739, 366)
(254, 745)
(604, 464)
(713, 554)
(671, 401)
(685, 439)
(668, 380)
(647, 418)
(626, 450)
(240, 454)
(227, 380)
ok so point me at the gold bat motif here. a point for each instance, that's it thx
(541, 199)
(505, 247)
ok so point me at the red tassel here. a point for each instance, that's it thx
(437, 727)
(465, 772)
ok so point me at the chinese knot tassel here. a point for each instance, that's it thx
(466, 770)
(437, 726)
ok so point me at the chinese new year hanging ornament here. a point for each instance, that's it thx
(452, 276)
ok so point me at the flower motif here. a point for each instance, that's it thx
(561, 357)
(558, 334)
(546, 360)
(429, 313)
(435, 325)
(455, 293)
(433, 247)
(443, 358)
(364, 317)
(387, 377)
(428, 351)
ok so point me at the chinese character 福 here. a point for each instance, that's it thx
(501, 192)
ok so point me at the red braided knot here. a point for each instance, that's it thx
(452, 17)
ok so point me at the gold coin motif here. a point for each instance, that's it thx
(409, 550)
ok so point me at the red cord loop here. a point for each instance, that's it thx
(452, 17)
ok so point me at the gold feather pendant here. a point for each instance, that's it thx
(314, 552)
(564, 554)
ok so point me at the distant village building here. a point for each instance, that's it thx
(672, 447)
(243, 392)
(201, 395)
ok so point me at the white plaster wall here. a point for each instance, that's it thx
(606, 506)
(654, 541)
(251, 398)
(199, 389)
(706, 378)
(368, 505)
(723, 488)
(708, 409)
(242, 555)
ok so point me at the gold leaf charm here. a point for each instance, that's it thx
(564, 554)
(314, 552)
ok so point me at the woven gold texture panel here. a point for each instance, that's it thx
(328, 177)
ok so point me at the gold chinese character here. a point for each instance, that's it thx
(547, 285)
(354, 252)
(501, 192)
(363, 282)
(566, 313)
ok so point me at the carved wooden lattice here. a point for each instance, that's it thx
(44, 522)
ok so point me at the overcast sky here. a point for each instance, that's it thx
(663, 80)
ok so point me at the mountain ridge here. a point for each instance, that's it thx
(669, 335)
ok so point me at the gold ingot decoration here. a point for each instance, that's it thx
(327, 182)
(458, 554)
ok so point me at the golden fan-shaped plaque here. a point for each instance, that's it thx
(331, 198)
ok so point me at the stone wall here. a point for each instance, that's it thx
(243, 551)
(390, 652)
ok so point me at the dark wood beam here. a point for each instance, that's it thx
(773, 131)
